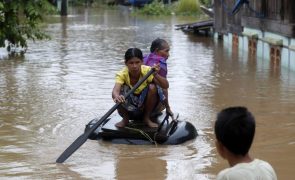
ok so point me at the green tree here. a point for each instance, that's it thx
(20, 21)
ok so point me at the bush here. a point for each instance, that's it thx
(182, 7)
(155, 8)
(206, 3)
(188, 7)
(21, 21)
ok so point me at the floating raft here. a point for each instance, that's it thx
(197, 27)
(136, 132)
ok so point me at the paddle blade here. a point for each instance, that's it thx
(72, 148)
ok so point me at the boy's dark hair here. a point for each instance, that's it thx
(235, 129)
(133, 52)
(157, 44)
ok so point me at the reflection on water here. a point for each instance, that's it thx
(47, 97)
(136, 162)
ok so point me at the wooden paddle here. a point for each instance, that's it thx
(82, 138)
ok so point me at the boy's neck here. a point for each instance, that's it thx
(233, 160)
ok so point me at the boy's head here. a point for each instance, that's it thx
(235, 129)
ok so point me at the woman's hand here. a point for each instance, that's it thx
(119, 99)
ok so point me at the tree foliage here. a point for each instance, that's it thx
(20, 21)
(156, 8)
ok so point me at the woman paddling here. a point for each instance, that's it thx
(143, 102)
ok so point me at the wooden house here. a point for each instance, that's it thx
(265, 28)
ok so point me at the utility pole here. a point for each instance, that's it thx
(63, 10)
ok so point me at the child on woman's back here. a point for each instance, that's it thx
(159, 53)
(234, 130)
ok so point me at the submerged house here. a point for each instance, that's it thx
(264, 28)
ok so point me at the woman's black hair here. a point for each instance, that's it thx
(133, 52)
(157, 44)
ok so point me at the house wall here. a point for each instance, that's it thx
(265, 28)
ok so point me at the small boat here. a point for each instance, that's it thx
(169, 132)
(139, 3)
(174, 132)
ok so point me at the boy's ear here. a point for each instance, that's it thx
(220, 148)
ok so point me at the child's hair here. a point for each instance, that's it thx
(157, 44)
(133, 52)
(235, 129)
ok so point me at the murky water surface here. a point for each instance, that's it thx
(47, 97)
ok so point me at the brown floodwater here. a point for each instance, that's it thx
(47, 97)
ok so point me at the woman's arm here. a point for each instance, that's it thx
(159, 80)
(116, 93)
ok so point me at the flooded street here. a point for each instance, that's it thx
(47, 98)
